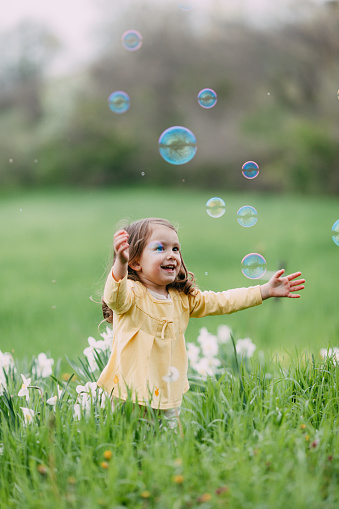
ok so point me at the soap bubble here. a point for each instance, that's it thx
(335, 232)
(119, 102)
(207, 98)
(131, 40)
(215, 207)
(253, 266)
(250, 170)
(247, 216)
(142, 173)
(11, 161)
(177, 145)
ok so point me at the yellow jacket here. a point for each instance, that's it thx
(148, 338)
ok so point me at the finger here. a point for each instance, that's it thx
(297, 288)
(293, 296)
(297, 282)
(293, 276)
(279, 273)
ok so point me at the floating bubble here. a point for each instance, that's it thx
(215, 207)
(247, 216)
(119, 102)
(206, 273)
(207, 98)
(11, 161)
(250, 170)
(131, 40)
(177, 145)
(335, 232)
(253, 266)
(142, 173)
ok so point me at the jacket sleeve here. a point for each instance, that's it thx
(223, 303)
(118, 295)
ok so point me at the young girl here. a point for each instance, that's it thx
(152, 297)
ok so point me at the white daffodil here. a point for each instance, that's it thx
(224, 334)
(108, 337)
(207, 366)
(24, 388)
(54, 399)
(77, 412)
(172, 375)
(43, 366)
(245, 347)
(6, 363)
(193, 353)
(330, 352)
(28, 415)
(208, 342)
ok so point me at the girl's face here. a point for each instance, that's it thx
(160, 261)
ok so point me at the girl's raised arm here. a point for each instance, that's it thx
(121, 248)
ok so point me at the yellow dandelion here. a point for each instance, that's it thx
(145, 494)
(302, 426)
(206, 497)
(107, 455)
(307, 438)
(179, 479)
(104, 465)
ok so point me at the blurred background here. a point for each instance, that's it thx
(275, 69)
(70, 168)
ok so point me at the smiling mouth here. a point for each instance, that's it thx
(168, 267)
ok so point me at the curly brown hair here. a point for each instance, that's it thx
(139, 233)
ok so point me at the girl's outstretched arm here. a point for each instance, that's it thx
(279, 286)
(121, 248)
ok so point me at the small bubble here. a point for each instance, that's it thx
(119, 102)
(131, 40)
(250, 170)
(215, 207)
(247, 216)
(36, 161)
(142, 173)
(53, 307)
(335, 232)
(11, 161)
(207, 98)
(183, 180)
(53, 281)
(177, 145)
(253, 266)
(206, 273)
(20, 210)
(268, 93)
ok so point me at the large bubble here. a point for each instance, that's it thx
(247, 216)
(215, 207)
(119, 102)
(177, 145)
(131, 40)
(335, 232)
(186, 5)
(207, 98)
(250, 170)
(253, 266)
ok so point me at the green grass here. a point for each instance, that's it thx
(279, 449)
(56, 247)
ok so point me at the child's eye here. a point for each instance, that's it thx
(156, 247)
(176, 249)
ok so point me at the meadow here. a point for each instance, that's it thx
(56, 249)
(261, 433)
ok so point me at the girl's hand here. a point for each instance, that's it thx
(279, 286)
(121, 246)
